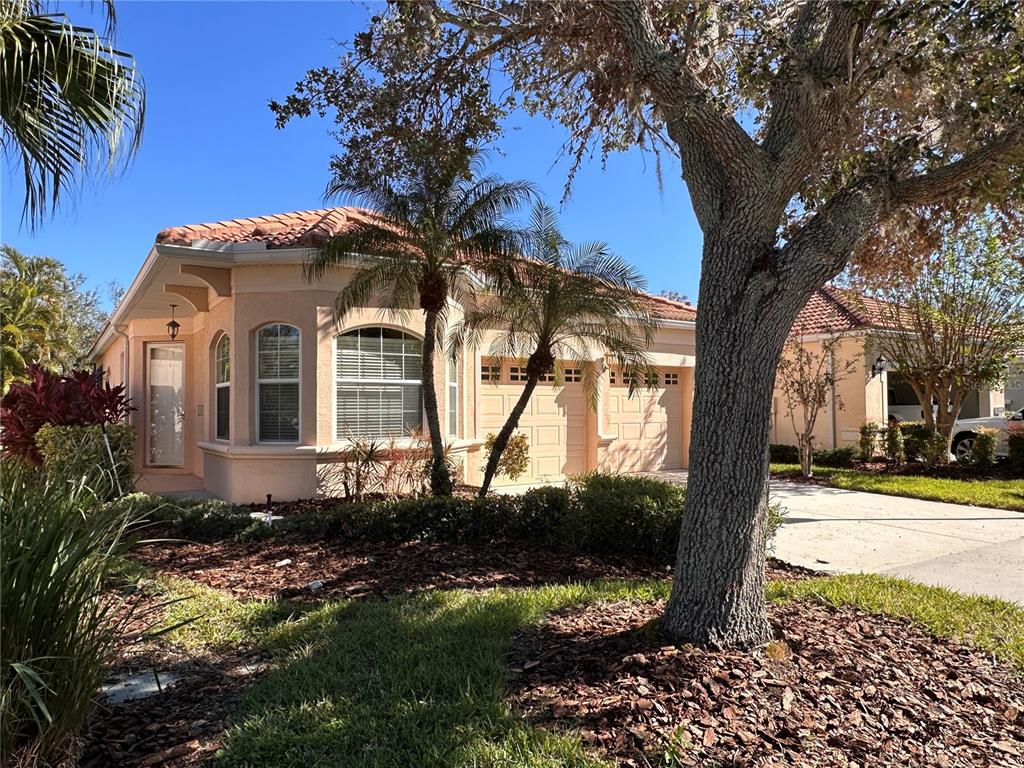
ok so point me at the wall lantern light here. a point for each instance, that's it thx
(173, 325)
(880, 366)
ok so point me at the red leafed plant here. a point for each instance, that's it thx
(79, 398)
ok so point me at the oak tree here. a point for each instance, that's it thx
(806, 132)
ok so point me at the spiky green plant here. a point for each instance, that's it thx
(60, 623)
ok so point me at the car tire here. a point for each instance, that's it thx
(962, 445)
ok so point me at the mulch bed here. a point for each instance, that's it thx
(285, 567)
(843, 688)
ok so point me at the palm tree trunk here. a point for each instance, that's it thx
(501, 441)
(440, 479)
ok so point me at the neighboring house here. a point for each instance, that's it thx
(869, 394)
(1013, 389)
(259, 391)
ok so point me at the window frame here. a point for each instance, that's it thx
(335, 437)
(259, 382)
(219, 385)
(452, 388)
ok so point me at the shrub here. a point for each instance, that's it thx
(935, 449)
(515, 459)
(69, 453)
(915, 434)
(779, 453)
(983, 451)
(868, 440)
(194, 519)
(1015, 446)
(894, 450)
(618, 514)
(80, 398)
(835, 457)
(61, 624)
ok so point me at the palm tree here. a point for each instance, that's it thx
(31, 304)
(425, 240)
(562, 302)
(66, 95)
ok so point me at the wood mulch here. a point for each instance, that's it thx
(840, 688)
(286, 566)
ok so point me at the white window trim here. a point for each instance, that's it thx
(260, 382)
(335, 438)
(218, 385)
(451, 367)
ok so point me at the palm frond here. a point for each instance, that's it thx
(67, 98)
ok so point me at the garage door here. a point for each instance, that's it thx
(554, 422)
(648, 427)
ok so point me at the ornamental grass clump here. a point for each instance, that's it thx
(61, 621)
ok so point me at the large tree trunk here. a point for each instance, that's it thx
(718, 593)
(440, 479)
(501, 441)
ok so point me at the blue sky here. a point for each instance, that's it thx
(210, 149)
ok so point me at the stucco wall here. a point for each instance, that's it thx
(240, 468)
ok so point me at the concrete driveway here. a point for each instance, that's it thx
(969, 549)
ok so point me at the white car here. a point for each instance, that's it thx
(965, 430)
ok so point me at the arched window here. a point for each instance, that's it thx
(277, 384)
(377, 383)
(222, 382)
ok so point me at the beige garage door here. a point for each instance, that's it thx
(554, 422)
(648, 427)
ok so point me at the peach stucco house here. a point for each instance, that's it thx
(259, 389)
(872, 392)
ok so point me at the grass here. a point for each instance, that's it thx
(999, 494)
(421, 680)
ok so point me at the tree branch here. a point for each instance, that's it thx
(683, 101)
(930, 187)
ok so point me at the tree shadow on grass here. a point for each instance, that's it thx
(416, 681)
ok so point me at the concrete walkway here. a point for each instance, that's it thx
(970, 549)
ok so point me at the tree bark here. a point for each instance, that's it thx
(718, 591)
(501, 441)
(440, 478)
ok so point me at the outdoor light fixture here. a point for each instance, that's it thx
(880, 366)
(173, 325)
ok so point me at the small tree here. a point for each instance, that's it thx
(418, 247)
(808, 380)
(562, 302)
(953, 327)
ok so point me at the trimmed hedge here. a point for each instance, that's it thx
(71, 452)
(596, 514)
(837, 457)
(780, 453)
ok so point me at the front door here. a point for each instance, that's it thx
(166, 405)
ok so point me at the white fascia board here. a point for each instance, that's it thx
(139, 284)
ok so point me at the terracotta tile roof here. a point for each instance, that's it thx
(833, 310)
(669, 309)
(306, 229)
(297, 229)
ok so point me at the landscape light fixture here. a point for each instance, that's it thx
(173, 325)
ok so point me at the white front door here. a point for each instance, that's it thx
(166, 405)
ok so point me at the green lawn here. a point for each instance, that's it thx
(1001, 494)
(421, 680)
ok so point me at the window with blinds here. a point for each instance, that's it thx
(222, 382)
(277, 384)
(377, 382)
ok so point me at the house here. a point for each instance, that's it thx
(872, 391)
(244, 386)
